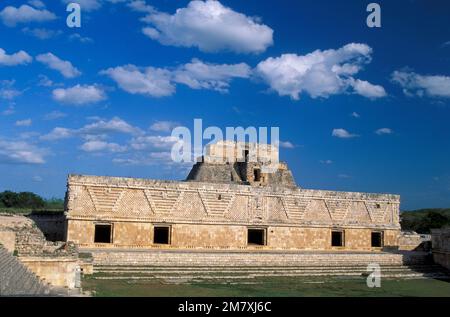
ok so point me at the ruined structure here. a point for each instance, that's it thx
(441, 246)
(244, 200)
(45, 266)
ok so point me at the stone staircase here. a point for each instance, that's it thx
(225, 267)
(17, 280)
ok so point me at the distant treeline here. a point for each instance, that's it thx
(422, 220)
(28, 200)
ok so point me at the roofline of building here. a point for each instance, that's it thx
(128, 182)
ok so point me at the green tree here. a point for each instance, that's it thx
(11, 199)
(432, 220)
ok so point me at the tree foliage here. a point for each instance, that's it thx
(11, 199)
(421, 221)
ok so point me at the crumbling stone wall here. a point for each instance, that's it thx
(52, 225)
(56, 262)
(440, 240)
(237, 162)
(8, 239)
(413, 241)
(29, 241)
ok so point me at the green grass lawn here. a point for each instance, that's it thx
(271, 287)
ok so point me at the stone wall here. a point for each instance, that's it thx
(17, 280)
(202, 236)
(284, 259)
(218, 215)
(56, 271)
(30, 241)
(440, 240)
(55, 262)
(410, 241)
(8, 239)
(52, 225)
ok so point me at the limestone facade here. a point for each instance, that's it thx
(218, 215)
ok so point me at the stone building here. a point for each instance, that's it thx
(238, 197)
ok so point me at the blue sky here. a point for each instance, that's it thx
(359, 108)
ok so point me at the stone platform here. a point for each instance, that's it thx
(239, 266)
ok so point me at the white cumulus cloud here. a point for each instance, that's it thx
(163, 126)
(24, 123)
(102, 146)
(19, 58)
(79, 95)
(54, 115)
(54, 62)
(153, 142)
(200, 75)
(11, 16)
(210, 26)
(366, 89)
(343, 134)
(20, 152)
(141, 6)
(41, 33)
(115, 125)
(382, 131)
(37, 3)
(286, 144)
(414, 84)
(160, 82)
(150, 81)
(58, 133)
(320, 73)
(99, 129)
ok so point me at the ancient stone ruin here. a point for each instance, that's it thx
(237, 216)
(31, 265)
(227, 202)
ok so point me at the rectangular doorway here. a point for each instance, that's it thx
(256, 236)
(103, 233)
(337, 238)
(377, 239)
(161, 235)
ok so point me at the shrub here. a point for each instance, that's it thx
(11, 199)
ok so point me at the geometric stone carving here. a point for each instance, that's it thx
(216, 204)
(295, 208)
(358, 213)
(91, 196)
(317, 211)
(104, 198)
(162, 201)
(338, 209)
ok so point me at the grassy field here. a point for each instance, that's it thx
(271, 287)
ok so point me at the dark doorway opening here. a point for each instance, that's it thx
(246, 155)
(257, 175)
(337, 239)
(256, 236)
(161, 235)
(103, 233)
(377, 239)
